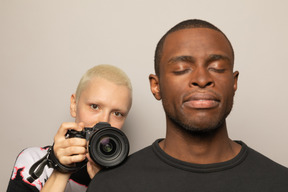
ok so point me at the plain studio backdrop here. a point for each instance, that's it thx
(46, 46)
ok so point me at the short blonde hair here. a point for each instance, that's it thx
(105, 71)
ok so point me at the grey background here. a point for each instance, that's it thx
(46, 46)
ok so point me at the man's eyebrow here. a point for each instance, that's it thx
(191, 59)
(183, 58)
(216, 57)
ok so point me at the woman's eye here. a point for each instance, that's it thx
(118, 114)
(94, 106)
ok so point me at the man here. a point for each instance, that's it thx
(196, 83)
(104, 94)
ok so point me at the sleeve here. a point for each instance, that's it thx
(20, 186)
(18, 180)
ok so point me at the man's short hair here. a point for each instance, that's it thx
(105, 71)
(187, 24)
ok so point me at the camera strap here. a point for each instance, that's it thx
(37, 168)
(52, 162)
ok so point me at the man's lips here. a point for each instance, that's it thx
(201, 101)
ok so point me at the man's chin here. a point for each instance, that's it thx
(200, 132)
(202, 129)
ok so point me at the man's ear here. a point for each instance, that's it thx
(154, 86)
(73, 105)
(235, 75)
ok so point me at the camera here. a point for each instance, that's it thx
(107, 146)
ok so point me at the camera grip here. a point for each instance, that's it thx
(73, 133)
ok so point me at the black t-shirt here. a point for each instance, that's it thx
(151, 169)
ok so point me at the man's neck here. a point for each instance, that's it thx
(213, 148)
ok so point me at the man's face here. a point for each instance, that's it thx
(102, 101)
(196, 82)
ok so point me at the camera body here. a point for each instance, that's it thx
(107, 146)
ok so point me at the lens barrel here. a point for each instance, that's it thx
(108, 146)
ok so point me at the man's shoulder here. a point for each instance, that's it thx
(140, 153)
(124, 173)
(137, 158)
(133, 162)
(260, 160)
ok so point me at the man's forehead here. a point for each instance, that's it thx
(197, 37)
(188, 33)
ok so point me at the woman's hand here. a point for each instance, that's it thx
(71, 150)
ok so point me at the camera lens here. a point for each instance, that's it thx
(108, 146)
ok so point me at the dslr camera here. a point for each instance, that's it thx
(107, 146)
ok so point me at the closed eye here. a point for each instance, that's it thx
(217, 70)
(181, 72)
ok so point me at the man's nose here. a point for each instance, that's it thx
(201, 78)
